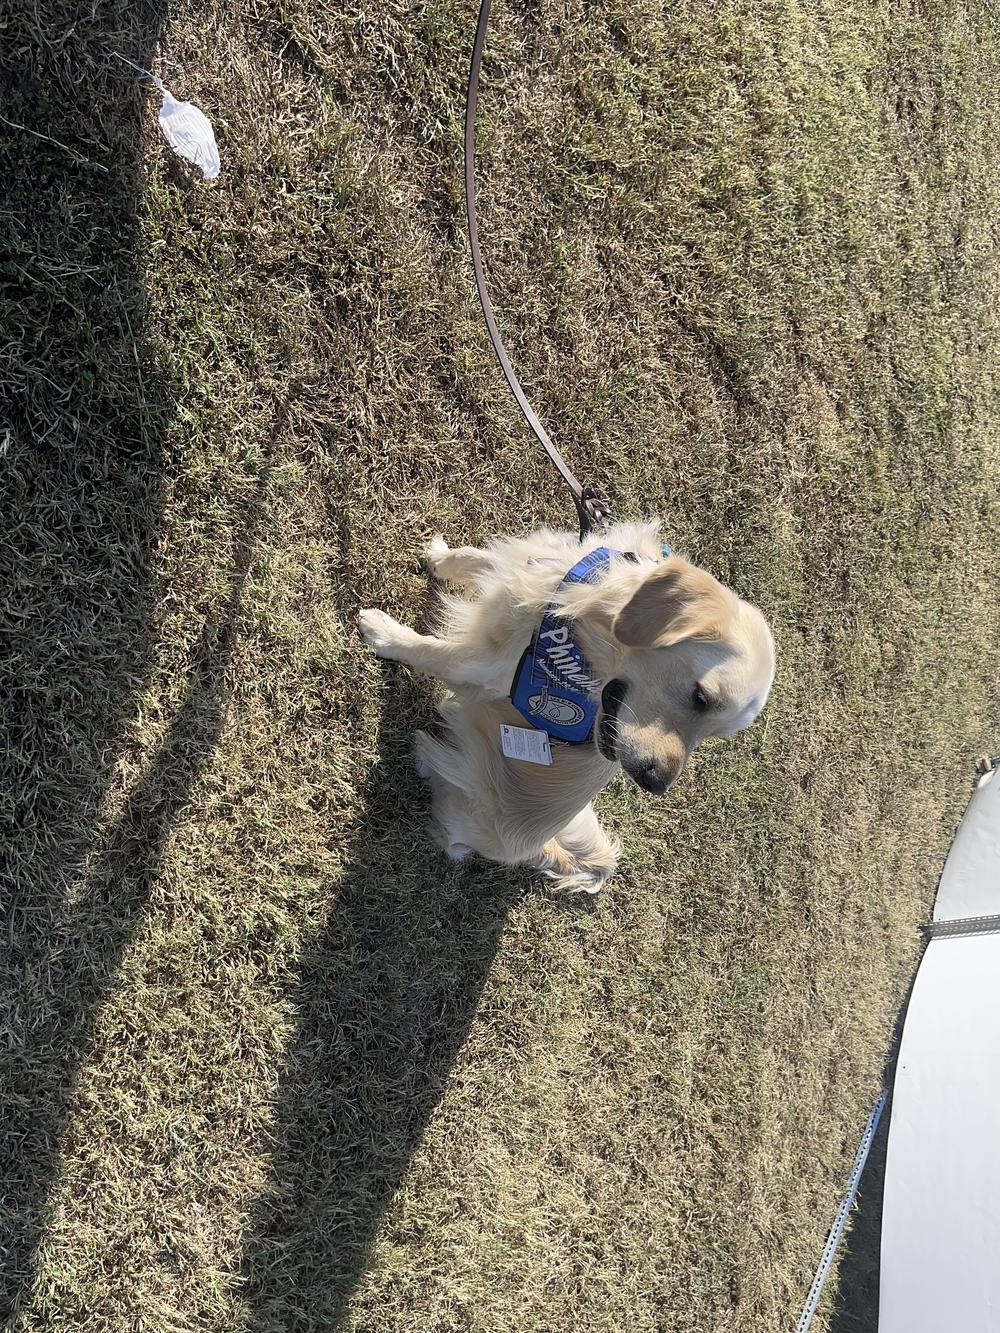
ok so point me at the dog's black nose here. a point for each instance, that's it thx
(650, 775)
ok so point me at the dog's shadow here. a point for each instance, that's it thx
(384, 1001)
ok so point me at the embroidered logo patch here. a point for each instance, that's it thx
(563, 712)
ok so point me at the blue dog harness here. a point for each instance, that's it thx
(554, 688)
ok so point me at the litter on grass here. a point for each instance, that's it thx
(185, 127)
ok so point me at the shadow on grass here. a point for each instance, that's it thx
(855, 1306)
(69, 971)
(385, 1001)
(82, 419)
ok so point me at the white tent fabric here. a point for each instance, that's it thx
(970, 884)
(940, 1263)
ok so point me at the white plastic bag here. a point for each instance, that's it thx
(189, 132)
(185, 127)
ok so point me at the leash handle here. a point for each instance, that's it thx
(592, 509)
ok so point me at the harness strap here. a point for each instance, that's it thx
(554, 689)
(591, 508)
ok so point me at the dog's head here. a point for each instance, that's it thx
(691, 660)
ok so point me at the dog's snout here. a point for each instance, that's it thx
(651, 776)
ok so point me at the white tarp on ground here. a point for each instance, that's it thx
(940, 1266)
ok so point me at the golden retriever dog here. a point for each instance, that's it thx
(651, 652)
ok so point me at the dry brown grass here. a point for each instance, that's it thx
(268, 1064)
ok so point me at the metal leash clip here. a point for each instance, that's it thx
(594, 510)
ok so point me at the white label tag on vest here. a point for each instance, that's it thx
(525, 743)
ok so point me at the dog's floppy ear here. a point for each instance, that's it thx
(676, 601)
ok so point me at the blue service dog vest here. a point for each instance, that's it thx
(554, 688)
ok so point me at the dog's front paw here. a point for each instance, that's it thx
(379, 630)
(434, 552)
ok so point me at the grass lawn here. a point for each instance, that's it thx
(268, 1065)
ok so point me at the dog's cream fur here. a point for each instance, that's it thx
(697, 661)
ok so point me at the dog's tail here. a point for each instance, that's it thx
(581, 858)
(437, 761)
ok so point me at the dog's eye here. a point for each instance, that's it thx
(699, 699)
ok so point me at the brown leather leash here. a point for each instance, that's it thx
(592, 509)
